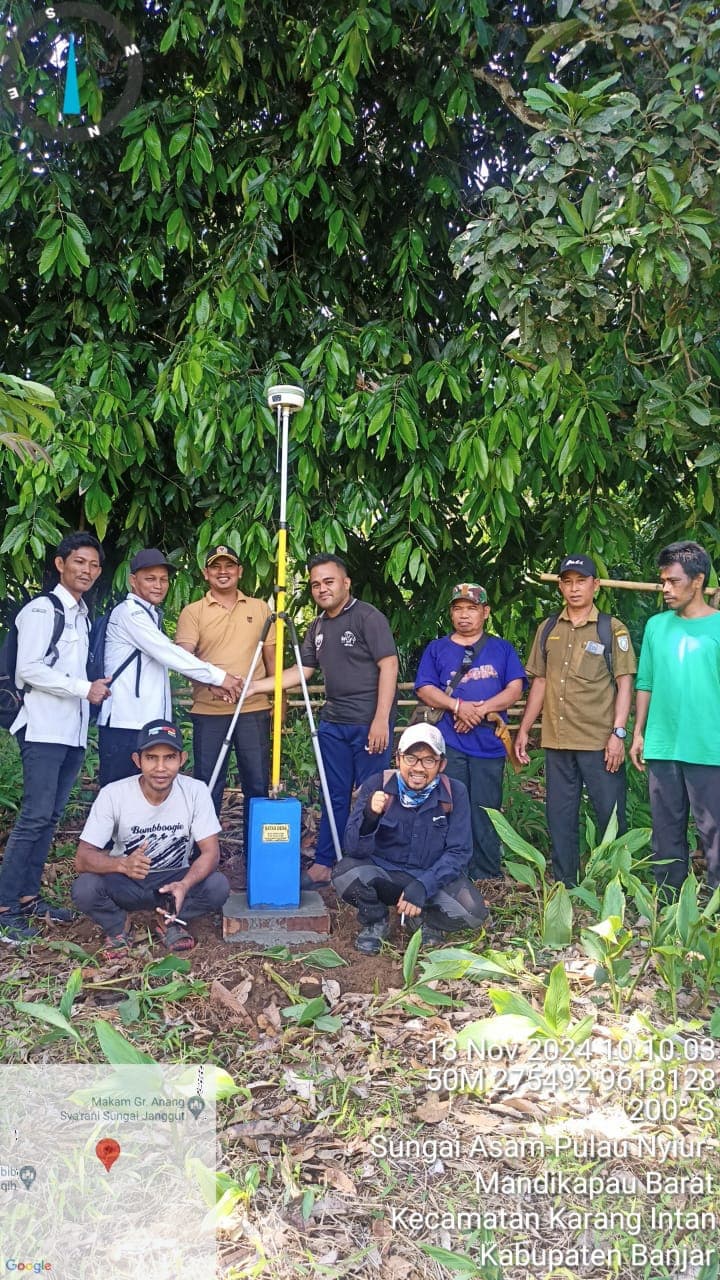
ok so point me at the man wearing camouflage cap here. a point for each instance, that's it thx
(469, 674)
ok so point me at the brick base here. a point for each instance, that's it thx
(272, 927)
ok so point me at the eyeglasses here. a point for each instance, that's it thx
(425, 762)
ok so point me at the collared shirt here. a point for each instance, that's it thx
(229, 637)
(579, 707)
(135, 624)
(55, 708)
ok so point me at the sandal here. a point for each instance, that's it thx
(175, 938)
(117, 946)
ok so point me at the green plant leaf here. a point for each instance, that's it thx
(510, 1028)
(557, 999)
(613, 903)
(46, 1013)
(322, 958)
(410, 958)
(118, 1050)
(72, 987)
(458, 1263)
(514, 841)
(557, 918)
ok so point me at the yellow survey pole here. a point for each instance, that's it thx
(285, 400)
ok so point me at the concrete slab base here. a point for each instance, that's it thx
(276, 926)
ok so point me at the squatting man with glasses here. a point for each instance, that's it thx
(408, 844)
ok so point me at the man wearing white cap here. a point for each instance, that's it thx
(407, 844)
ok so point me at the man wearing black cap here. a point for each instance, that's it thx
(582, 663)
(225, 627)
(152, 821)
(138, 655)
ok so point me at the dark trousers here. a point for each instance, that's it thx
(107, 899)
(677, 790)
(372, 889)
(251, 743)
(115, 747)
(484, 781)
(347, 764)
(565, 774)
(49, 771)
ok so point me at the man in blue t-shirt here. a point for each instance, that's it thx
(469, 674)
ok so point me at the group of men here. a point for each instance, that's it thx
(416, 836)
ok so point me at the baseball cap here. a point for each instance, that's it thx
(469, 591)
(579, 564)
(150, 558)
(429, 734)
(159, 731)
(217, 552)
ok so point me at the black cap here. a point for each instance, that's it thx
(150, 558)
(579, 564)
(159, 731)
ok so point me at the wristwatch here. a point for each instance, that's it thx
(620, 733)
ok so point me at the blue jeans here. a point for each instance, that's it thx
(347, 764)
(49, 771)
(483, 777)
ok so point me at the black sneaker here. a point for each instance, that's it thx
(372, 936)
(15, 930)
(431, 936)
(39, 909)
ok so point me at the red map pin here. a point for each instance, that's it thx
(107, 1152)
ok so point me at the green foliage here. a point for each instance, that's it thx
(286, 203)
(518, 1020)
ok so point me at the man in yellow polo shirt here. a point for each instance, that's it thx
(227, 623)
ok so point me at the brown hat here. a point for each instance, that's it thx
(217, 553)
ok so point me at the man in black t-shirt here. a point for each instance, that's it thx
(352, 644)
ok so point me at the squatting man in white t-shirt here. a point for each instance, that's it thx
(153, 820)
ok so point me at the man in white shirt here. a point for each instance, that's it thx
(51, 730)
(153, 821)
(141, 691)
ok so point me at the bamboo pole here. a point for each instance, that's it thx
(620, 584)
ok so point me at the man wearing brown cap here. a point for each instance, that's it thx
(224, 627)
(582, 663)
(138, 656)
(468, 675)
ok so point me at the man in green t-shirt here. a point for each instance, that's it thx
(677, 718)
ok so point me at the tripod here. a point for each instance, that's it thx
(285, 400)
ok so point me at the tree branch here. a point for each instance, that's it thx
(512, 100)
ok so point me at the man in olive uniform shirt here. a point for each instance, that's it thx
(584, 713)
(228, 624)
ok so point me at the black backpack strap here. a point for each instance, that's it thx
(58, 626)
(604, 626)
(447, 804)
(546, 632)
(135, 656)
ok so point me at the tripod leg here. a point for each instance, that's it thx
(225, 745)
(315, 742)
